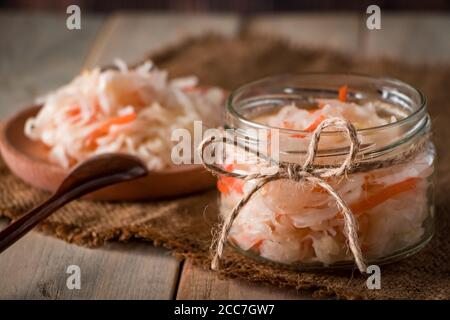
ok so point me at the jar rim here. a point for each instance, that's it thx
(421, 109)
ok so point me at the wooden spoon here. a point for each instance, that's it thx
(88, 176)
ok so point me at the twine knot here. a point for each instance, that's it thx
(296, 172)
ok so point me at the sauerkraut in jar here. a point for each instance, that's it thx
(390, 192)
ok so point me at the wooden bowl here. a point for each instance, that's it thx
(28, 160)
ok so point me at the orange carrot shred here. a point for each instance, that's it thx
(222, 187)
(229, 167)
(297, 135)
(106, 126)
(343, 93)
(74, 112)
(315, 123)
(257, 246)
(227, 184)
(310, 128)
(381, 196)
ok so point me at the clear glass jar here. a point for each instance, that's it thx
(294, 223)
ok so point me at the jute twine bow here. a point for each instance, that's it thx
(296, 172)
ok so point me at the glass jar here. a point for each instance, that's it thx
(390, 192)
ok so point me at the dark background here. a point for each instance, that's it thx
(236, 6)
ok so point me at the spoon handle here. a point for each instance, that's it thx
(28, 221)
(89, 176)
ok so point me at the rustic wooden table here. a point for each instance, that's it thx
(38, 53)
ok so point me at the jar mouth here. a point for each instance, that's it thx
(269, 94)
(417, 113)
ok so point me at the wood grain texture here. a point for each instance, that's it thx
(413, 38)
(133, 35)
(196, 283)
(34, 268)
(332, 31)
(38, 53)
(36, 265)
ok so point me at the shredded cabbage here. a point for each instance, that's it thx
(126, 110)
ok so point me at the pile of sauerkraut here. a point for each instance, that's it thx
(123, 110)
(297, 222)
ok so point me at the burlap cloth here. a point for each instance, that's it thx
(184, 226)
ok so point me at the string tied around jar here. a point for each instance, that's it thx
(306, 172)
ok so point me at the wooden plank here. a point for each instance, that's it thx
(132, 36)
(35, 268)
(38, 53)
(36, 265)
(413, 38)
(134, 271)
(196, 283)
(338, 31)
(141, 34)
